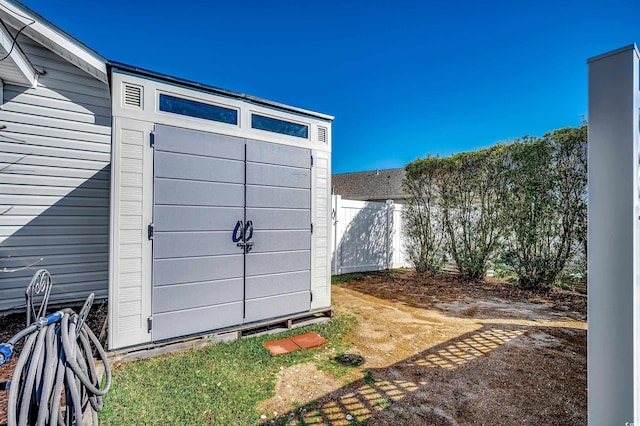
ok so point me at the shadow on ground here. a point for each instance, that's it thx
(498, 375)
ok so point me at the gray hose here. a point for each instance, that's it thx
(56, 360)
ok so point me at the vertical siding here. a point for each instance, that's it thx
(132, 177)
(321, 226)
(54, 180)
(130, 270)
(368, 236)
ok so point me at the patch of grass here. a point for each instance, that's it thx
(338, 279)
(382, 402)
(346, 372)
(368, 377)
(303, 415)
(355, 422)
(220, 384)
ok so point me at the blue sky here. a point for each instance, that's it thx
(402, 78)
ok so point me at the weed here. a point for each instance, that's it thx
(368, 377)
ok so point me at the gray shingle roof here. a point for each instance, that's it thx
(375, 185)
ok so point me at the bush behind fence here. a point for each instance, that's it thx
(521, 205)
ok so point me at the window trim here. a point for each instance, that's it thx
(281, 120)
(181, 97)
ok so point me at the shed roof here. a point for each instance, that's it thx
(370, 185)
(29, 23)
(215, 90)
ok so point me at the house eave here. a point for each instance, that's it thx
(59, 42)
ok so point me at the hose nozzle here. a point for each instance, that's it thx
(6, 350)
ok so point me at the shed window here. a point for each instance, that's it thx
(279, 126)
(198, 109)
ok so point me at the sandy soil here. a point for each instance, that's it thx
(439, 352)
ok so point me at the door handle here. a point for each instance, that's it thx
(242, 233)
(248, 227)
(239, 227)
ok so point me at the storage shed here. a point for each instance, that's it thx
(218, 203)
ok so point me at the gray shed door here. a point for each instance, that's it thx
(208, 190)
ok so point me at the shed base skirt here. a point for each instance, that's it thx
(274, 326)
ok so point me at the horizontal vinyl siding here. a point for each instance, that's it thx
(52, 103)
(54, 181)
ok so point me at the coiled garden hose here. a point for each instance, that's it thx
(56, 361)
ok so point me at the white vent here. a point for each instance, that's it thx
(322, 134)
(132, 96)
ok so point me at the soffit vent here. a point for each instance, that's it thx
(322, 134)
(132, 96)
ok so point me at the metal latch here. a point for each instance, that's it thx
(150, 231)
(149, 324)
(247, 246)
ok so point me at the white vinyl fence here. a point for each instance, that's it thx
(367, 236)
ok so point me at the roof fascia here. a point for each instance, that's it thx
(57, 36)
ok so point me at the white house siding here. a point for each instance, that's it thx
(54, 180)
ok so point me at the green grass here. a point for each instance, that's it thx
(220, 384)
(338, 279)
(368, 377)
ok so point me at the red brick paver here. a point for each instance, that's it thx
(303, 341)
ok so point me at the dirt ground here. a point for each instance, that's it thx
(439, 352)
(436, 352)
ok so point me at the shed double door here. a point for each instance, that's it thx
(231, 231)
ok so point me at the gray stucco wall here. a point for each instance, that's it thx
(54, 180)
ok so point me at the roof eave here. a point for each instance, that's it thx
(62, 43)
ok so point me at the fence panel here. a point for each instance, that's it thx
(367, 236)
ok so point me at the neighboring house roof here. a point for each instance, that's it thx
(372, 185)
